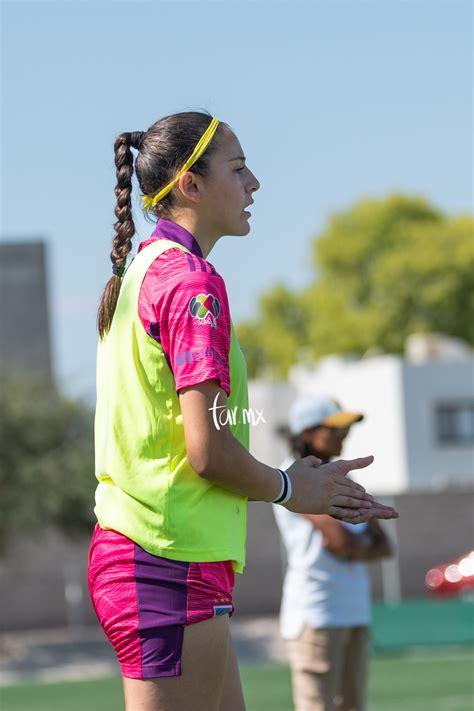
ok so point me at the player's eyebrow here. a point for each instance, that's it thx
(237, 158)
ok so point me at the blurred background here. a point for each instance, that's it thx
(357, 279)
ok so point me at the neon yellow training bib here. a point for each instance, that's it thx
(147, 490)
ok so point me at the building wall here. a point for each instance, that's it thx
(39, 573)
(371, 386)
(425, 385)
(24, 308)
(43, 579)
(273, 400)
(434, 527)
(258, 590)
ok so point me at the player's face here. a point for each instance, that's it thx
(327, 441)
(228, 189)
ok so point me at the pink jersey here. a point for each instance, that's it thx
(183, 305)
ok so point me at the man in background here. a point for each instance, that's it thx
(325, 610)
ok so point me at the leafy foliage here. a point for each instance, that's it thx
(46, 459)
(386, 268)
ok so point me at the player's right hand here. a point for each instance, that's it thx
(324, 489)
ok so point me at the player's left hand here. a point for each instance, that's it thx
(378, 510)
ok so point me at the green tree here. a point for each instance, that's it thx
(274, 347)
(46, 459)
(385, 269)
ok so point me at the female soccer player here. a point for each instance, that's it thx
(173, 488)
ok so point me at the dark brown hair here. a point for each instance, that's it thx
(297, 444)
(162, 150)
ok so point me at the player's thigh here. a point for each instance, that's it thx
(201, 683)
(232, 693)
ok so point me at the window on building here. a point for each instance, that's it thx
(455, 422)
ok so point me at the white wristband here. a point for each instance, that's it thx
(286, 488)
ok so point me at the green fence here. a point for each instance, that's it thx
(422, 623)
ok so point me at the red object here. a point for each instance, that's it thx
(452, 578)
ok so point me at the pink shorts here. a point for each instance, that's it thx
(143, 601)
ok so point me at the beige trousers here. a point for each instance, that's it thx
(329, 669)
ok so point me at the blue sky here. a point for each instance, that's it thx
(332, 101)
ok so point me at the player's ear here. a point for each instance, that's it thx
(189, 186)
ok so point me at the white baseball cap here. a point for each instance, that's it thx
(312, 410)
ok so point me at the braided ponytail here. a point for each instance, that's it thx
(162, 150)
(124, 229)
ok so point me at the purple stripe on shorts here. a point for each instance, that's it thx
(162, 607)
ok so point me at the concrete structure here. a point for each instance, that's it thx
(419, 420)
(44, 579)
(419, 425)
(25, 340)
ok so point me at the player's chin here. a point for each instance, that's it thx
(245, 225)
(240, 230)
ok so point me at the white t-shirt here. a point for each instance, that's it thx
(318, 589)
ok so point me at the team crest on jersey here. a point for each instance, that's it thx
(206, 308)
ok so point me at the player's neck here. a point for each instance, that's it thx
(199, 230)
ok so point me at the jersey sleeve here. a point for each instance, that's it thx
(195, 328)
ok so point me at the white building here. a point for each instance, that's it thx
(419, 413)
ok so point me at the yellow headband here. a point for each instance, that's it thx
(201, 146)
